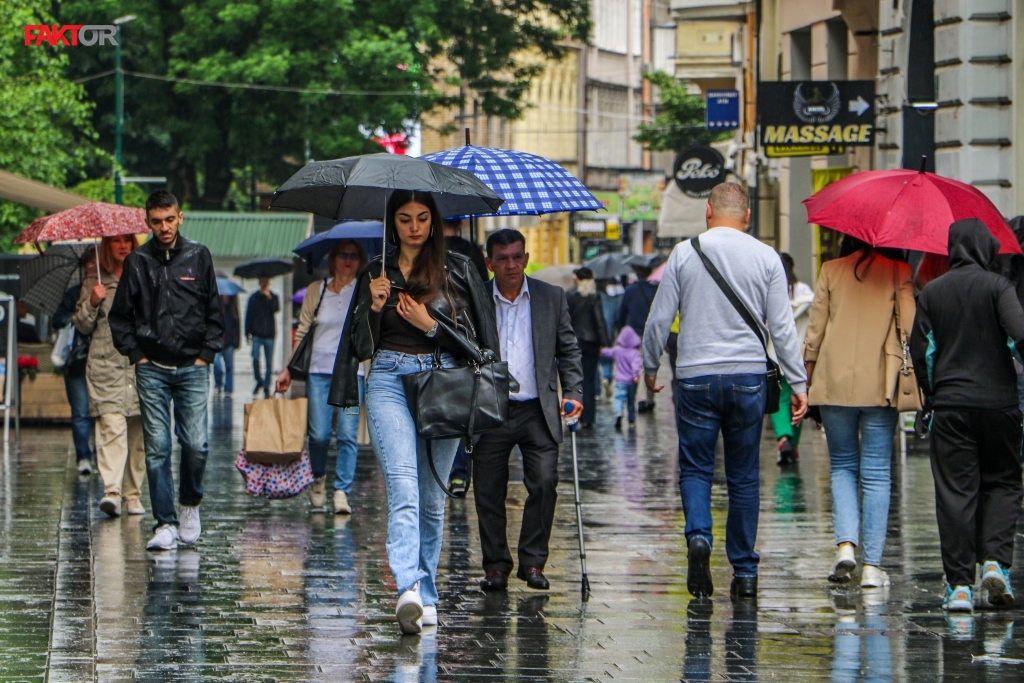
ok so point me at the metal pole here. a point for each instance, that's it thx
(119, 119)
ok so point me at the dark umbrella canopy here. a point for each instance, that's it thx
(608, 267)
(358, 187)
(45, 279)
(264, 267)
(648, 261)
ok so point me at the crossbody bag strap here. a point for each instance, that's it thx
(323, 290)
(729, 293)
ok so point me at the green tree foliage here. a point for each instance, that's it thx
(679, 120)
(380, 52)
(102, 190)
(46, 132)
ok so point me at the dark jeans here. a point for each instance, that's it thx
(526, 428)
(224, 370)
(187, 388)
(976, 465)
(460, 466)
(734, 406)
(263, 379)
(81, 424)
(591, 357)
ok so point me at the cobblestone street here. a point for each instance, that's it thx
(275, 592)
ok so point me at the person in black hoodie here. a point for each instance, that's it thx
(967, 326)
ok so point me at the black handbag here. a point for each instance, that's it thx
(773, 375)
(298, 365)
(460, 402)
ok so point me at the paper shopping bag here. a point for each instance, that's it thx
(275, 430)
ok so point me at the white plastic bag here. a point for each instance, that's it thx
(62, 349)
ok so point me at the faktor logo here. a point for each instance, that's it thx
(71, 34)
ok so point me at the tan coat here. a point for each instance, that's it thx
(109, 375)
(851, 334)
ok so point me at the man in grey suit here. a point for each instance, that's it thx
(538, 343)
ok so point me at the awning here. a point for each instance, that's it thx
(247, 235)
(35, 194)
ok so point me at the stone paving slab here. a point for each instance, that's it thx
(275, 592)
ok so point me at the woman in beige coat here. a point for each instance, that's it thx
(113, 400)
(852, 351)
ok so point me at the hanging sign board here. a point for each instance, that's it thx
(822, 114)
(723, 110)
(698, 169)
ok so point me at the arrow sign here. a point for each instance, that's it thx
(859, 105)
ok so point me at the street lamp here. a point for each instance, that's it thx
(119, 104)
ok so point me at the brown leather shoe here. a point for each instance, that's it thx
(495, 580)
(534, 577)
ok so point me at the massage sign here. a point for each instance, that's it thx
(803, 118)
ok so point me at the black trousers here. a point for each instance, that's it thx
(527, 429)
(976, 464)
(591, 352)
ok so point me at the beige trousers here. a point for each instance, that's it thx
(120, 454)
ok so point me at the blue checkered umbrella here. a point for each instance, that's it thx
(530, 184)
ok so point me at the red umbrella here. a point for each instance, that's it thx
(93, 219)
(905, 209)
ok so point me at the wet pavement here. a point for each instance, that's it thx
(276, 592)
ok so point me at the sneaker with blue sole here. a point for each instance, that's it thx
(958, 599)
(995, 578)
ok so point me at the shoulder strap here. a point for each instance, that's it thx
(323, 289)
(728, 291)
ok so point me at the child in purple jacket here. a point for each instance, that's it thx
(628, 366)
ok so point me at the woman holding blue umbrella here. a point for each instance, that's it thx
(328, 304)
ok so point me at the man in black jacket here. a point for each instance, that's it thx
(260, 331)
(538, 343)
(967, 323)
(588, 324)
(166, 318)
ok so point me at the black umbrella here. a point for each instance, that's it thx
(264, 267)
(358, 187)
(44, 280)
(608, 266)
(649, 261)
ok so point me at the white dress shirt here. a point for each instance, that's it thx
(515, 331)
(330, 323)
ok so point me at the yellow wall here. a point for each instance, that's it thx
(704, 42)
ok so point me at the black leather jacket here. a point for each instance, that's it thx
(476, 328)
(167, 308)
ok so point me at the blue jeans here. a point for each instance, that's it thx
(263, 379)
(860, 447)
(415, 501)
(734, 405)
(81, 424)
(187, 388)
(625, 399)
(318, 386)
(224, 369)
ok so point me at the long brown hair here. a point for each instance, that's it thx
(107, 262)
(427, 272)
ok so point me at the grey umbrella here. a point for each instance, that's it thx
(264, 267)
(44, 280)
(608, 266)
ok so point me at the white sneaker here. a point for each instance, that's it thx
(873, 577)
(341, 506)
(318, 492)
(165, 538)
(133, 506)
(846, 564)
(190, 527)
(111, 504)
(409, 611)
(429, 617)
(84, 468)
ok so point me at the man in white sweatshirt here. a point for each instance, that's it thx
(720, 377)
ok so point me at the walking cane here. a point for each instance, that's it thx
(573, 425)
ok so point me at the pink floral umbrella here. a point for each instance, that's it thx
(90, 220)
